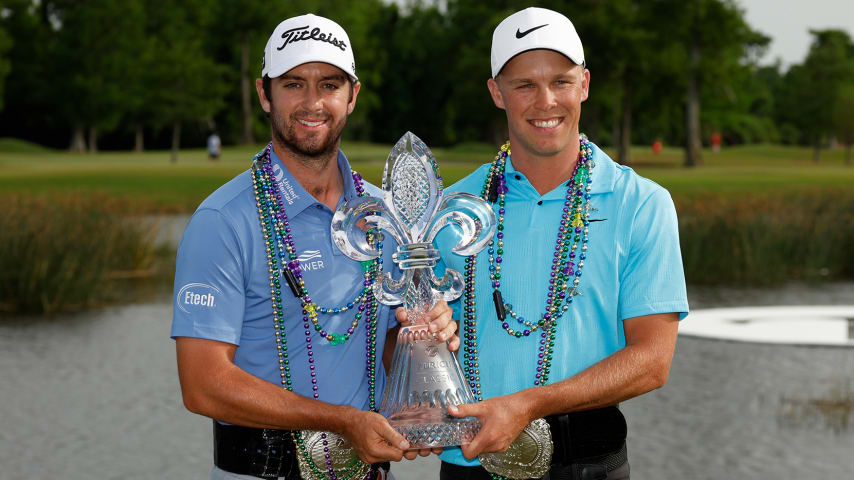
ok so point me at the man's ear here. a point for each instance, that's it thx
(262, 98)
(495, 93)
(585, 84)
(352, 104)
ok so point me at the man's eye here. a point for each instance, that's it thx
(330, 86)
(292, 85)
(525, 85)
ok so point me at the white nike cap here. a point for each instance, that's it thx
(304, 39)
(531, 29)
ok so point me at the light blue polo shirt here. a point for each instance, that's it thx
(222, 289)
(633, 268)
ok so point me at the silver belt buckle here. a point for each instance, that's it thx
(312, 459)
(529, 456)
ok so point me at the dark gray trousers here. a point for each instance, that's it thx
(450, 471)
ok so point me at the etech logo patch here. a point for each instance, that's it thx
(194, 296)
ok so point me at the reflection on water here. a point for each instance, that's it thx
(831, 410)
(96, 396)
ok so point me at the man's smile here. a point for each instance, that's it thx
(546, 122)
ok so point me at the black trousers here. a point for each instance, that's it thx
(575, 471)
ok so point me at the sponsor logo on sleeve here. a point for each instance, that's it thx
(196, 296)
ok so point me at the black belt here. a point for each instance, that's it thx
(260, 452)
(590, 436)
(590, 443)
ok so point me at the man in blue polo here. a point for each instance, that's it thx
(279, 337)
(574, 306)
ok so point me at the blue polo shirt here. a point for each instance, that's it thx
(222, 289)
(633, 268)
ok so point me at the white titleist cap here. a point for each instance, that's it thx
(304, 39)
(531, 29)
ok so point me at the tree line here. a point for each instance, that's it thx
(139, 74)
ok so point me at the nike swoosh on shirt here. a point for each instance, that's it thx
(520, 34)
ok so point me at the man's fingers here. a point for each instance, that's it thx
(382, 452)
(464, 410)
(471, 450)
(400, 315)
(393, 438)
(410, 455)
(454, 343)
(448, 331)
(439, 316)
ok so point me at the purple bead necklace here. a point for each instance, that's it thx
(565, 272)
(280, 246)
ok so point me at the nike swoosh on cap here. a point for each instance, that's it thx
(520, 34)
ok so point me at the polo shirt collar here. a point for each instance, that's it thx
(603, 174)
(295, 197)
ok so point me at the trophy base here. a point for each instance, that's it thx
(434, 428)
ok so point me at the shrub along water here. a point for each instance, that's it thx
(71, 252)
(766, 239)
(68, 252)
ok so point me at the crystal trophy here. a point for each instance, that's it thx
(425, 377)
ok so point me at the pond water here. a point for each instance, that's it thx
(96, 396)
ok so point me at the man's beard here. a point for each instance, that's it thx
(313, 147)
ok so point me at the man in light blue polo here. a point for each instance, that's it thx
(279, 337)
(574, 306)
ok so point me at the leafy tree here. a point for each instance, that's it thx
(5, 46)
(701, 56)
(843, 119)
(187, 85)
(806, 96)
(829, 65)
(238, 35)
(97, 43)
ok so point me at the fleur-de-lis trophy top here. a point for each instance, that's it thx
(425, 377)
(413, 209)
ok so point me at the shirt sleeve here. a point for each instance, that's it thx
(653, 280)
(209, 288)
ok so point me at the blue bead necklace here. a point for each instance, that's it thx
(280, 246)
(564, 278)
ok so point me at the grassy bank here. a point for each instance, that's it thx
(757, 215)
(152, 184)
(767, 238)
(62, 253)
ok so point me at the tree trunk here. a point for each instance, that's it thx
(176, 141)
(692, 112)
(625, 140)
(245, 93)
(93, 140)
(816, 151)
(78, 141)
(138, 144)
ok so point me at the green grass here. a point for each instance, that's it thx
(154, 184)
(751, 215)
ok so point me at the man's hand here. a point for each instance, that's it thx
(373, 438)
(412, 454)
(441, 323)
(502, 419)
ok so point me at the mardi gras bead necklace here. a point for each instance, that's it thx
(279, 242)
(564, 270)
(565, 274)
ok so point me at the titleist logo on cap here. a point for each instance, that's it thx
(303, 33)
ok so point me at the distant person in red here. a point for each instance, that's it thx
(656, 147)
(716, 142)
